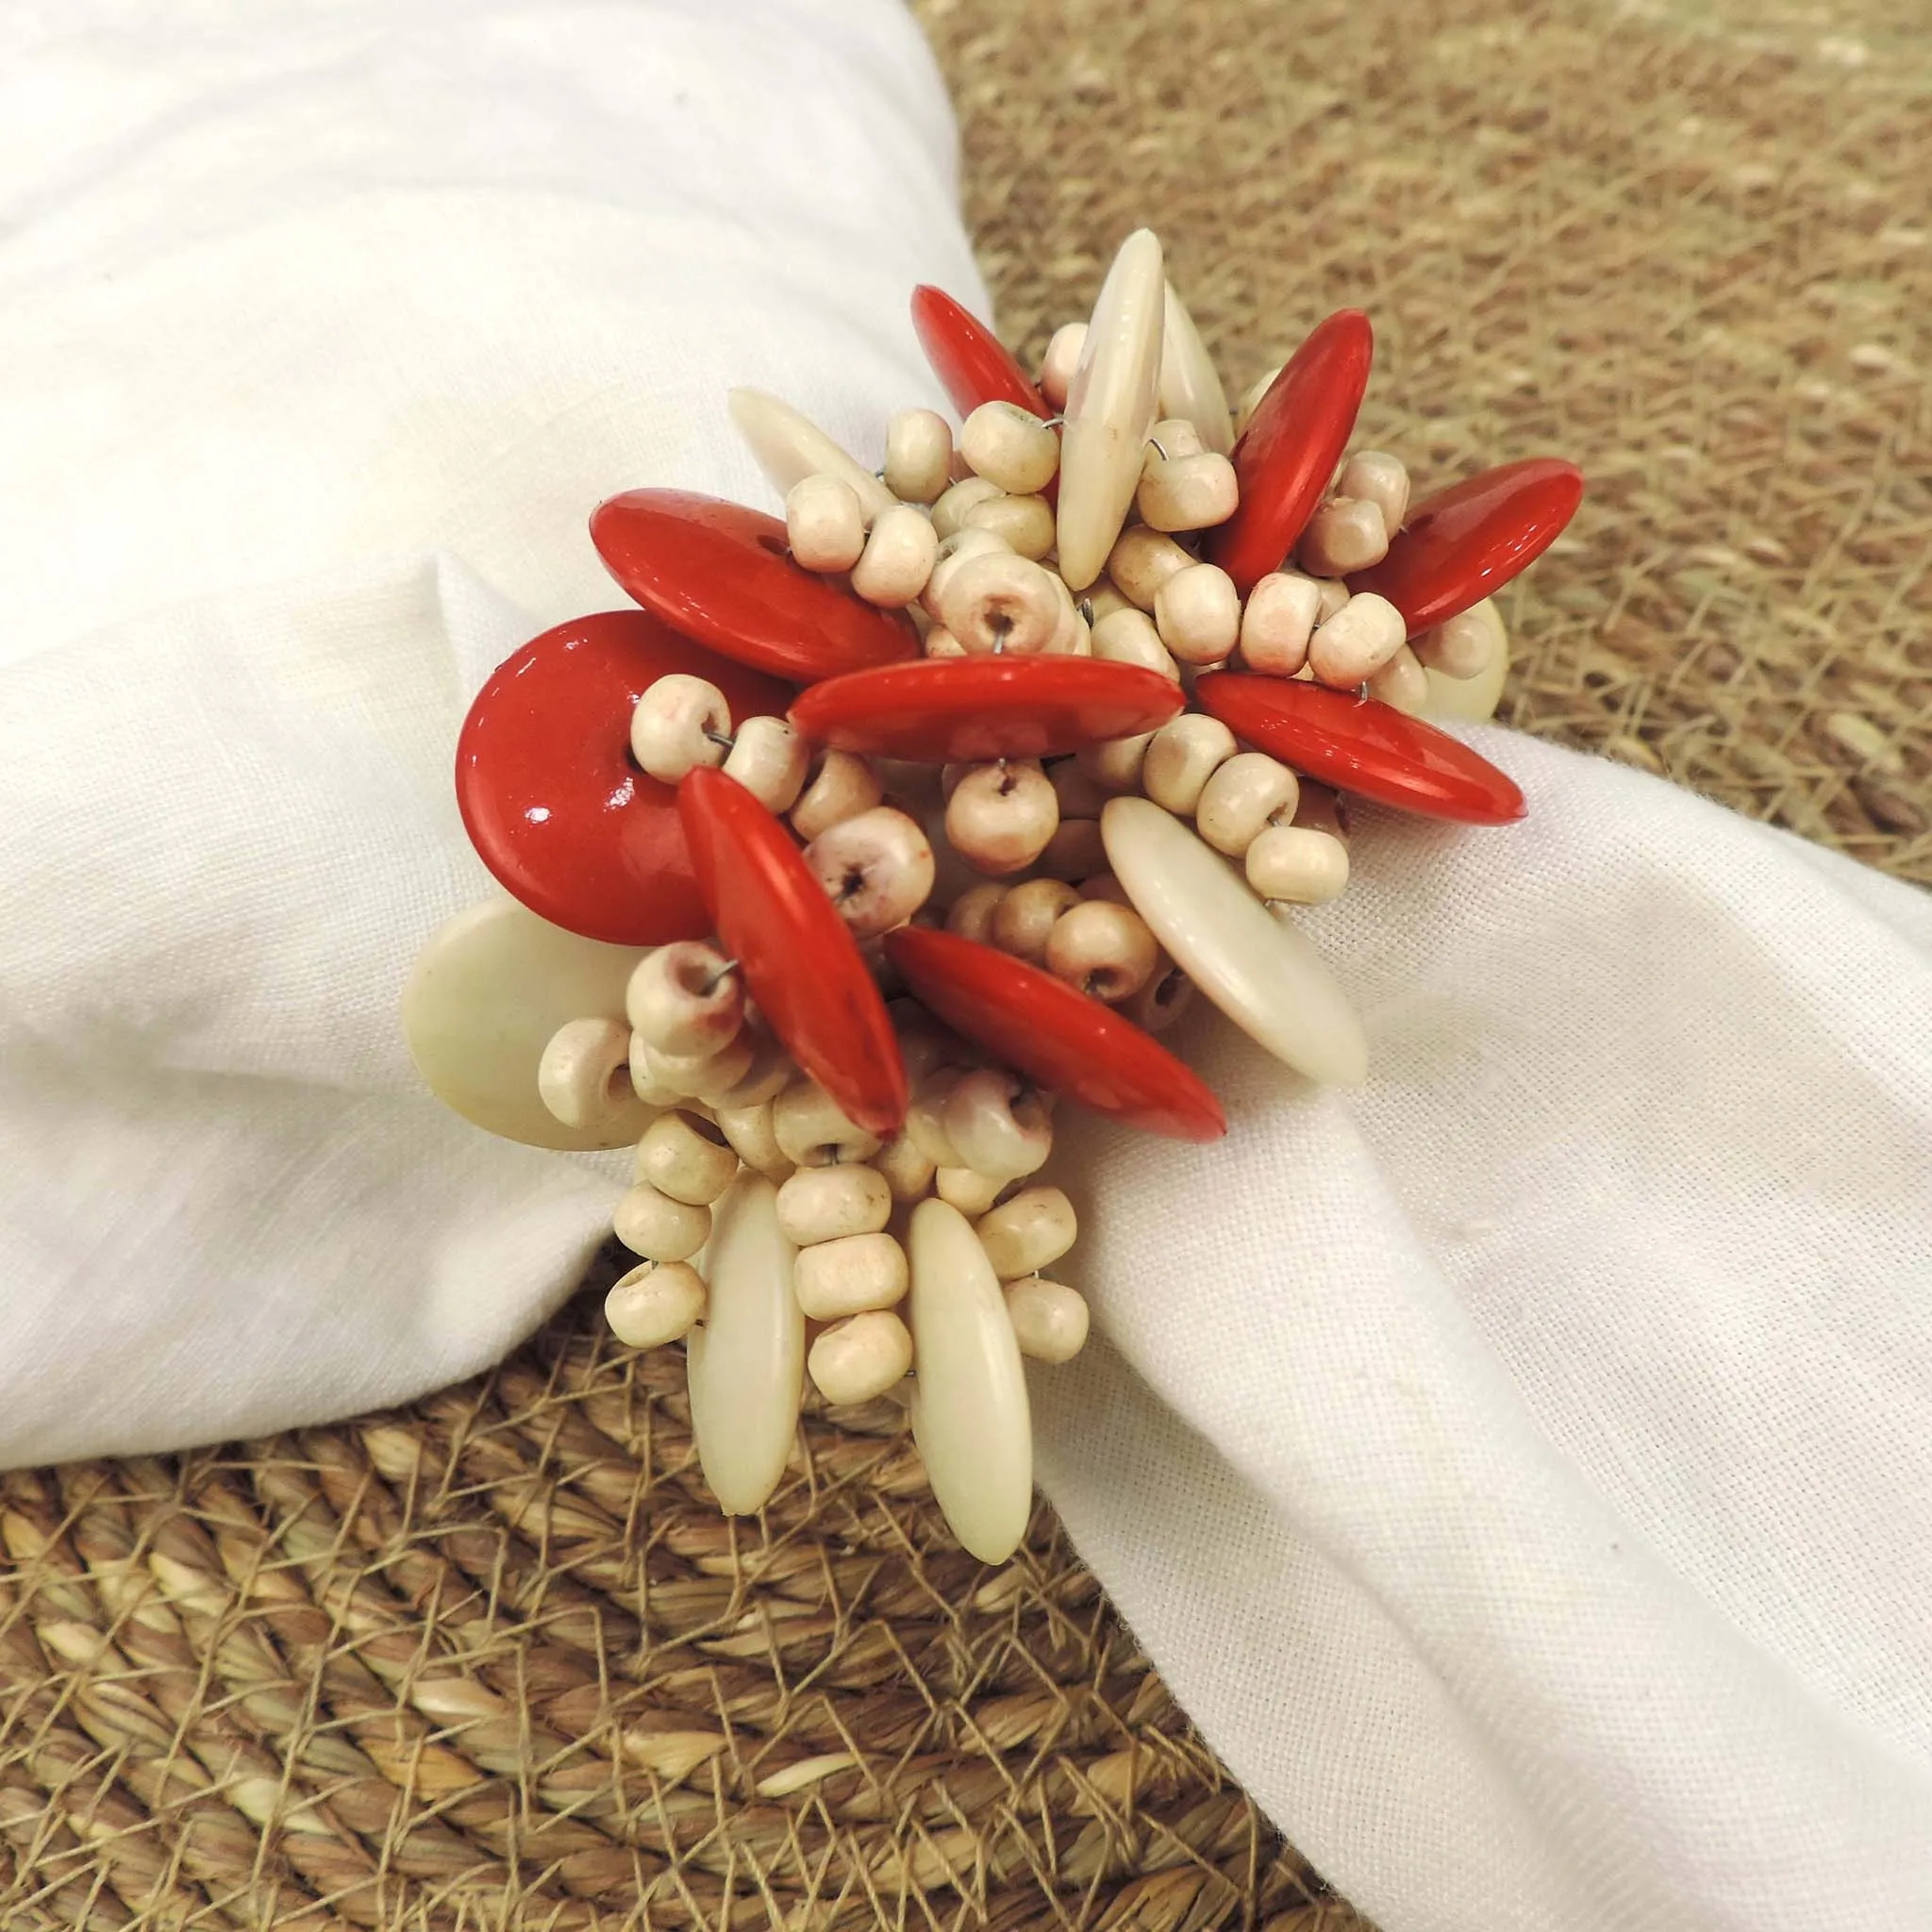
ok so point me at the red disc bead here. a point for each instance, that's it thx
(551, 798)
(1361, 745)
(972, 363)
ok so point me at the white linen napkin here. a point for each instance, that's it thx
(1520, 1467)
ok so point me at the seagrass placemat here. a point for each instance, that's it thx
(493, 1661)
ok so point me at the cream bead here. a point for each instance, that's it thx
(709, 1077)
(844, 786)
(1372, 476)
(1297, 865)
(999, 602)
(1103, 885)
(925, 1116)
(1472, 700)
(971, 1192)
(908, 1173)
(940, 642)
(655, 1304)
(1334, 593)
(583, 1078)
(1027, 1233)
(949, 512)
(918, 455)
(1128, 637)
(684, 1158)
(1103, 950)
(1350, 647)
(649, 1222)
(860, 1359)
(1189, 384)
(1026, 917)
(1181, 759)
(1073, 852)
(825, 524)
(767, 1076)
(769, 759)
(685, 999)
(954, 550)
(972, 913)
(999, 1125)
(748, 1132)
(849, 1274)
(877, 868)
(1000, 816)
(1168, 994)
(1071, 638)
(1062, 358)
(1251, 398)
(1169, 439)
(1115, 764)
(1102, 597)
(1344, 534)
(1276, 623)
(825, 1204)
(681, 721)
(1141, 561)
(1242, 798)
(1191, 492)
(898, 558)
(789, 447)
(1402, 683)
(1011, 447)
(1466, 645)
(1023, 523)
(1079, 796)
(812, 1132)
(1198, 612)
(1049, 1319)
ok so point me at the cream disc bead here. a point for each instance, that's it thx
(1062, 358)
(1115, 765)
(1184, 755)
(709, 1077)
(1191, 492)
(1128, 637)
(844, 786)
(655, 1304)
(649, 1222)
(954, 550)
(1030, 1232)
(878, 869)
(898, 558)
(1190, 386)
(1026, 917)
(1103, 950)
(1372, 476)
(1073, 852)
(972, 913)
(949, 512)
(1297, 865)
(1000, 816)
(824, 1204)
(1345, 534)
(685, 999)
(789, 447)
(749, 1132)
(1198, 613)
(908, 1171)
(1023, 523)
(813, 1132)
(1000, 601)
(1049, 1319)
(860, 1359)
(1011, 447)
(918, 455)
(686, 1159)
(1466, 645)
(825, 524)
(769, 1072)
(970, 1193)
(1141, 561)
(769, 759)
(849, 1274)
(680, 722)
(1402, 683)
(1276, 623)
(1168, 994)
(584, 1075)
(1079, 796)
(999, 1125)
(1242, 798)
(1350, 647)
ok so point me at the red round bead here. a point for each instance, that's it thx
(972, 363)
(550, 796)
(800, 962)
(1469, 541)
(1361, 745)
(722, 573)
(1058, 1037)
(955, 710)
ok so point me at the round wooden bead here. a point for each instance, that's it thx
(680, 722)
(842, 786)
(1199, 614)
(769, 759)
(1142, 561)
(686, 1159)
(1242, 798)
(1128, 637)
(1350, 647)
(1027, 916)
(655, 1304)
(1049, 1319)
(1168, 994)
(1073, 851)
(1011, 447)
(1023, 523)
(825, 524)
(860, 1360)
(584, 1075)
(1402, 683)
(749, 1133)
(969, 1190)
(972, 911)
(999, 1125)
(968, 541)
(848, 1275)
(770, 1070)
(1372, 476)
(999, 602)
(1298, 866)
(925, 1119)
(879, 868)
(1187, 492)
(1466, 645)
(1103, 949)
(1115, 765)
(1171, 439)
(909, 1174)
(898, 558)
(949, 512)
(685, 1000)
(940, 642)
(813, 1132)
(1062, 358)
(1079, 796)
(918, 455)
(707, 1076)
(649, 1222)
(1278, 621)
(825, 1204)
(1000, 816)
(1182, 758)
(1028, 1232)
(1344, 534)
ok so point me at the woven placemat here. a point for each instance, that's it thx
(493, 1661)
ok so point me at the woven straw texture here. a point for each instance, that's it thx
(493, 1661)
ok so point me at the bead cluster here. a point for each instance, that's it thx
(1085, 689)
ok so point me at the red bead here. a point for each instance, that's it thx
(1361, 745)
(800, 962)
(722, 573)
(971, 363)
(1469, 541)
(1286, 457)
(548, 793)
(961, 710)
(1059, 1037)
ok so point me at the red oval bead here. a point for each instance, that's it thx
(957, 710)
(1286, 456)
(1062, 1040)
(1469, 541)
(1361, 745)
(972, 363)
(800, 962)
(722, 573)
(550, 797)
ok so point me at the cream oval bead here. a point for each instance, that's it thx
(1023, 523)
(1242, 798)
(844, 786)
(685, 999)
(1079, 796)
(1402, 683)
(1141, 561)
(1011, 447)
(1062, 358)
(1184, 755)
(898, 560)
(999, 602)
(1115, 764)
(918, 455)
(1050, 1319)
(749, 1134)
(680, 722)
(1187, 493)
(1168, 994)
(823, 1204)
(655, 1304)
(1350, 647)
(745, 1362)
(970, 1416)
(682, 1157)
(877, 868)
(1263, 974)
(970, 1193)
(1030, 1232)
(949, 512)
(812, 1131)
(849, 1275)
(1276, 623)
(1103, 950)
(1129, 637)
(789, 447)
(1344, 534)
(1198, 613)
(825, 524)
(1073, 852)
(1189, 384)
(1466, 645)
(1026, 917)
(1372, 476)
(972, 913)
(769, 759)
(860, 1360)
(584, 1075)
(1000, 816)
(1297, 865)
(649, 1222)
(999, 1127)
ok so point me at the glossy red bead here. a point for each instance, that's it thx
(721, 572)
(1056, 1036)
(1363, 746)
(548, 793)
(972, 363)
(957, 710)
(1286, 456)
(800, 962)
(1469, 541)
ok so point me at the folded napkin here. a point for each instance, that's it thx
(1520, 1467)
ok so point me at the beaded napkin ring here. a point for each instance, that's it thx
(878, 831)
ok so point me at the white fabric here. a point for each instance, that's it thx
(1521, 1469)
